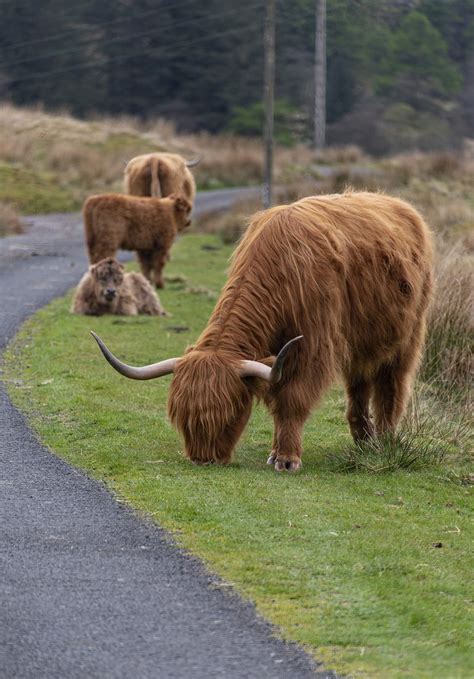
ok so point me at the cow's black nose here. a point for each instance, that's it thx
(110, 293)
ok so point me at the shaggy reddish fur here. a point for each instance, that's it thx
(353, 274)
(159, 175)
(106, 289)
(147, 225)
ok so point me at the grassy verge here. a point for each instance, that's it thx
(344, 563)
(33, 192)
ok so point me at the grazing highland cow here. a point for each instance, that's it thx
(159, 175)
(352, 274)
(106, 289)
(147, 225)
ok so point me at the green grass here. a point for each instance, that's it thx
(344, 563)
(127, 142)
(33, 192)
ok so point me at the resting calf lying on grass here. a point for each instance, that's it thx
(106, 289)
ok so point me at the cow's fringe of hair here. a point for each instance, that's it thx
(192, 405)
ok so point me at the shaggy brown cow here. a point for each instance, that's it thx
(353, 274)
(159, 175)
(106, 289)
(147, 225)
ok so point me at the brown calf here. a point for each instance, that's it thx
(149, 226)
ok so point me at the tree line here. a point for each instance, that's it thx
(400, 73)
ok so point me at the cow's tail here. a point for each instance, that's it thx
(155, 188)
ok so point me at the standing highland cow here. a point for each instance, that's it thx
(106, 289)
(159, 175)
(352, 274)
(147, 225)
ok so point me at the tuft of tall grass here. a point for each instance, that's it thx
(426, 438)
(337, 155)
(229, 225)
(10, 221)
(448, 363)
(389, 453)
(403, 167)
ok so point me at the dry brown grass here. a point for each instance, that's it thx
(10, 222)
(449, 359)
(229, 224)
(87, 157)
(84, 157)
(228, 161)
(79, 157)
(458, 166)
(440, 185)
(340, 155)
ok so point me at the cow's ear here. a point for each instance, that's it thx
(268, 360)
(181, 204)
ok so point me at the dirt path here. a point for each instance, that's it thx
(87, 588)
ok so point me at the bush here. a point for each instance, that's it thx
(248, 121)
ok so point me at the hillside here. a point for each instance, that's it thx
(51, 162)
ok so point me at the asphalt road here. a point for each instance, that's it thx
(87, 588)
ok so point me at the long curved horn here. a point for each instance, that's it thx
(146, 372)
(272, 375)
(194, 161)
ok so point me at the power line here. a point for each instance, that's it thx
(228, 12)
(269, 97)
(319, 121)
(98, 62)
(173, 4)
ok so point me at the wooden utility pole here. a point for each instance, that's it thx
(269, 95)
(320, 76)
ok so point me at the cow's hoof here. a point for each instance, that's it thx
(282, 465)
(272, 458)
(202, 463)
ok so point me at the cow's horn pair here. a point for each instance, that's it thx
(148, 372)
